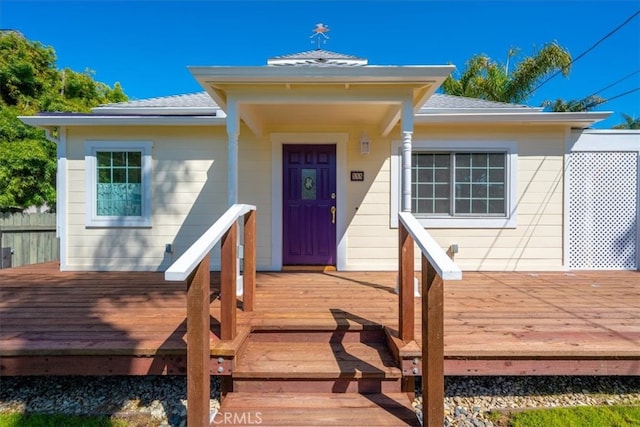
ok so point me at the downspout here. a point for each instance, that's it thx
(566, 201)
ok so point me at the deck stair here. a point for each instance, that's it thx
(328, 377)
(317, 409)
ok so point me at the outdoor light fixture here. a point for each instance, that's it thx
(365, 144)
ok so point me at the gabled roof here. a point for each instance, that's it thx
(201, 101)
(318, 58)
(305, 69)
(200, 109)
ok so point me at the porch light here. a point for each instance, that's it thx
(365, 144)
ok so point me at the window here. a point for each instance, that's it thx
(118, 184)
(459, 184)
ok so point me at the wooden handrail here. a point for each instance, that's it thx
(193, 266)
(187, 263)
(437, 267)
(444, 266)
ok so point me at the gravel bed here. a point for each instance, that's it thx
(161, 400)
(468, 400)
(146, 400)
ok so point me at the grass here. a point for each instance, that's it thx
(55, 420)
(58, 420)
(582, 416)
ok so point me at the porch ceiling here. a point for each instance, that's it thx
(270, 96)
(319, 114)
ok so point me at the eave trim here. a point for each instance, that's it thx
(321, 75)
(125, 120)
(178, 111)
(573, 119)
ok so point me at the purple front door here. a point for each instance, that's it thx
(309, 204)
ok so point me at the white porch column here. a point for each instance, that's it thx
(407, 134)
(233, 132)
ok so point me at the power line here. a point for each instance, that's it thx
(594, 104)
(614, 83)
(612, 32)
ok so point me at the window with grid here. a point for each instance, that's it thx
(119, 186)
(459, 184)
(118, 175)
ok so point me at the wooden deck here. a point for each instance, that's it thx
(578, 323)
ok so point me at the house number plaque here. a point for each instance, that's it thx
(357, 175)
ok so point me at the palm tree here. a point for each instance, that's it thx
(574, 105)
(629, 123)
(486, 79)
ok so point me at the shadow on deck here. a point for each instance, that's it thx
(95, 323)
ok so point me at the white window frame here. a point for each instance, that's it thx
(510, 149)
(92, 217)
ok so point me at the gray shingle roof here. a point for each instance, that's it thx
(187, 100)
(195, 104)
(441, 103)
(201, 101)
(317, 57)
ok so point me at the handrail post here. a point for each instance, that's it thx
(228, 284)
(198, 347)
(249, 261)
(432, 345)
(406, 274)
(193, 266)
(437, 268)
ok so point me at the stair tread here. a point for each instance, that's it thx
(316, 360)
(319, 409)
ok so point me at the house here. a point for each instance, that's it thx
(343, 161)
(330, 149)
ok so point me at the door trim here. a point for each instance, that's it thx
(277, 141)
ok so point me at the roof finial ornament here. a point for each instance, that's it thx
(319, 33)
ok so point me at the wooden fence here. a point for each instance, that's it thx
(28, 239)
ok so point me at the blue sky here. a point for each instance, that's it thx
(147, 45)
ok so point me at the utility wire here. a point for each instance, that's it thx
(594, 104)
(614, 83)
(612, 32)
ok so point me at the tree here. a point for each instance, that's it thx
(629, 122)
(486, 79)
(26, 69)
(31, 83)
(27, 164)
(585, 104)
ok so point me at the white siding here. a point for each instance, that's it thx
(190, 193)
(535, 244)
(188, 168)
(254, 188)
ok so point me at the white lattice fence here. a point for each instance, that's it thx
(603, 198)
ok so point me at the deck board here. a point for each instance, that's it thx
(499, 316)
(295, 409)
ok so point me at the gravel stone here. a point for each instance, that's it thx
(469, 400)
(162, 400)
